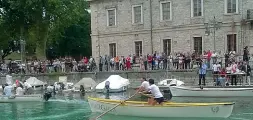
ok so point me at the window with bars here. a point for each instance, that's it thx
(231, 42)
(167, 46)
(111, 17)
(232, 6)
(138, 48)
(198, 45)
(112, 50)
(165, 10)
(137, 14)
(197, 8)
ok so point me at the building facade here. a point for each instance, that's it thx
(140, 27)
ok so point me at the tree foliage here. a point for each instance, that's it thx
(75, 41)
(38, 21)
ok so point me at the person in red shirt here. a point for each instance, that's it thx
(85, 60)
(128, 62)
(150, 58)
(222, 77)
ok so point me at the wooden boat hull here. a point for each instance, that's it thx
(180, 91)
(25, 98)
(170, 109)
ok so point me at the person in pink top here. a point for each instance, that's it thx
(85, 60)
(17, 83)
(233, 71)
(209, 54)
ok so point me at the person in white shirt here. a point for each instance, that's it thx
(28, 88)
(19, 91)
(144, 85)
(156, 93)
(216, 69)
(63, 67)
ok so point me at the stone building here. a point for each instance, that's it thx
(140, 27)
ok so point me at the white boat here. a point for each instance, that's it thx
(88, 83)
(212, 91)
(170, 82)
(167, 110)
(35, 83)
(23, 98)
(117, 84)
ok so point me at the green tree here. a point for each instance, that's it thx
(38, 21)
(75, 41)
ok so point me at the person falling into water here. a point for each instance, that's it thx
(82, 90)
(156, 93)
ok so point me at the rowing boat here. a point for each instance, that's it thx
(23, 98)
(26, 98)
(168, 109)
(212, 91)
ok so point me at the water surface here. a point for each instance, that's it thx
(72, 107)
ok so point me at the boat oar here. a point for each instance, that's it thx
(116, 106)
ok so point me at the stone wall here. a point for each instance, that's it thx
(190, 77)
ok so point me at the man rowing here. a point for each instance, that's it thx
(156, 93)
(144, 85)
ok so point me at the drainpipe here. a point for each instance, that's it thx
(242, 29)
(97, 29)
(151, 26)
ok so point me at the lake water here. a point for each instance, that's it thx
(73, 107)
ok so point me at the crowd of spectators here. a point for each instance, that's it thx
(156, 61)
(61, 65)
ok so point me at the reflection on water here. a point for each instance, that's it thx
(76, 107)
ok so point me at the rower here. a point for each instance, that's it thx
(7, 90)
(156, 93)
(28, 88)
(107, 86)
(144, 85)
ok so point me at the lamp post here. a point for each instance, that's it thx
(212, 26)
(22, 51)
(1, 54)
(80, 54)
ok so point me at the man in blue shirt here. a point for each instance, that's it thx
(202, 72)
